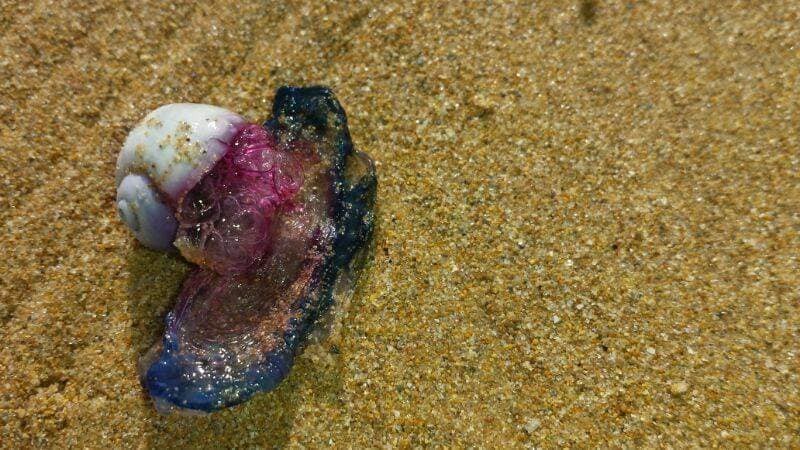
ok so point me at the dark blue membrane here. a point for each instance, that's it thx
(296, 112)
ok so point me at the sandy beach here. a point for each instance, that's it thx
(588, 231)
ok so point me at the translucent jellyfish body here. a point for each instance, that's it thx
(275, 217)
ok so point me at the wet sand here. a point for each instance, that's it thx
(588, 235)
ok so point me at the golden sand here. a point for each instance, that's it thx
(588, 235)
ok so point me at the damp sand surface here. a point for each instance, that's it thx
(588, 230)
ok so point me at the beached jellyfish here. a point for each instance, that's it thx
(276, 218)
